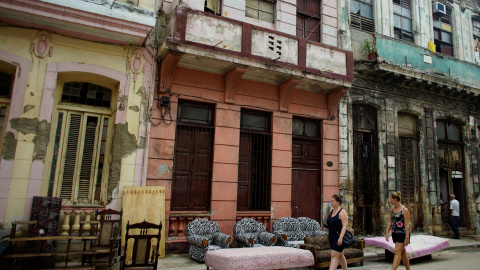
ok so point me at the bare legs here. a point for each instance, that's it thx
(338, 258)
(400, 254)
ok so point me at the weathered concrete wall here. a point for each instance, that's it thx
(390, 100)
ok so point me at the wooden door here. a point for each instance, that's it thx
(309, 19)
(192, 173)
(409, 180)
(244, 172)
(306, 181)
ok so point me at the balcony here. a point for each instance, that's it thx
(98, 20)
(411, 66)
(219, 45)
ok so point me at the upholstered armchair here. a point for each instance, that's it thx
(290, 232)
(204, 235)
(249, 232)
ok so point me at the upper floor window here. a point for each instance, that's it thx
(476, 40)
(442, 29)
(260, 9)
(213, 6)
(361, 15)
(309, 19)
(402, 20)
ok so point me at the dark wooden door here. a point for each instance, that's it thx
(366, 190)
(306, 181)
(409, 180)
(192, 168)
(309, 19)
(244, 172)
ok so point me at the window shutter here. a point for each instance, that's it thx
(88, 158)
(70, 157)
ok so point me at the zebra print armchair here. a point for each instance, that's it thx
(292, 231)
(248, 232)
(204, 235)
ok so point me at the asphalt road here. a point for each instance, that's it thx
(463, 259)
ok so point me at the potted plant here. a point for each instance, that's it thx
(369, 49)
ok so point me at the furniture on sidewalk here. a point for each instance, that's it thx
(144, 245)
(319, 246)
(109, 237)
(420, 245)
(37, 242)
(290, 231)
(259, 258)
(248, 232)
(204, 235)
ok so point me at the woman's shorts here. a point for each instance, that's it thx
(399, 237)
(334, 245)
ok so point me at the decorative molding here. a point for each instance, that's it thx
(136, 63)
(285, 92)
(167, 70)
(42, 45)
(232, 80)
(333, 98)
(414, 93)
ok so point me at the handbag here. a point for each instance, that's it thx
(348, 239)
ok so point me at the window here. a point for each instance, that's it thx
(448, 131)
(476, 40)
(193, 157)
(442, 29)
(6, 83)
(213, 6)
(309, 19)
(255, 161)
(361, 15)
(80, 160)
(402, 20)
(260, 10)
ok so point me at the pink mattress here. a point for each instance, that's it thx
(420, 245)
(258, 258)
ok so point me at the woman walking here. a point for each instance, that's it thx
(337, 223)
(399, 222)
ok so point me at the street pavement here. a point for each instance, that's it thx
(461, 254)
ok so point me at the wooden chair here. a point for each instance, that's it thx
(109, 237)
(144, 250)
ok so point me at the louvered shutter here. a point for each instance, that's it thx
(69, 164)
(87, 168)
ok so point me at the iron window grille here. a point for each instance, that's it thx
(361, 15)
(255, 161)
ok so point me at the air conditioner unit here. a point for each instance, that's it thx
(439, 8)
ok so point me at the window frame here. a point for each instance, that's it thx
(272, 2)
(402, 8)
(5, 101)
(54, 188)
(476, 40)
(362, 18)
(446, 20)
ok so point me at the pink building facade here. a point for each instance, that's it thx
(244, 122)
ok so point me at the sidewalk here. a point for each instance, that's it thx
(182, 261)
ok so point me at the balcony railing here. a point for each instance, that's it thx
(76, 218)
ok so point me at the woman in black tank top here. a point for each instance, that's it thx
(337, 223)
(399, 222)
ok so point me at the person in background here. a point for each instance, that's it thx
(399, 222)
(455, 212)
(337, 223)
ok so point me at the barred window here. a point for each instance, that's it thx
(476, 40)
(260, 10)
(255, 161)
(402, 20)
(361, 15)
